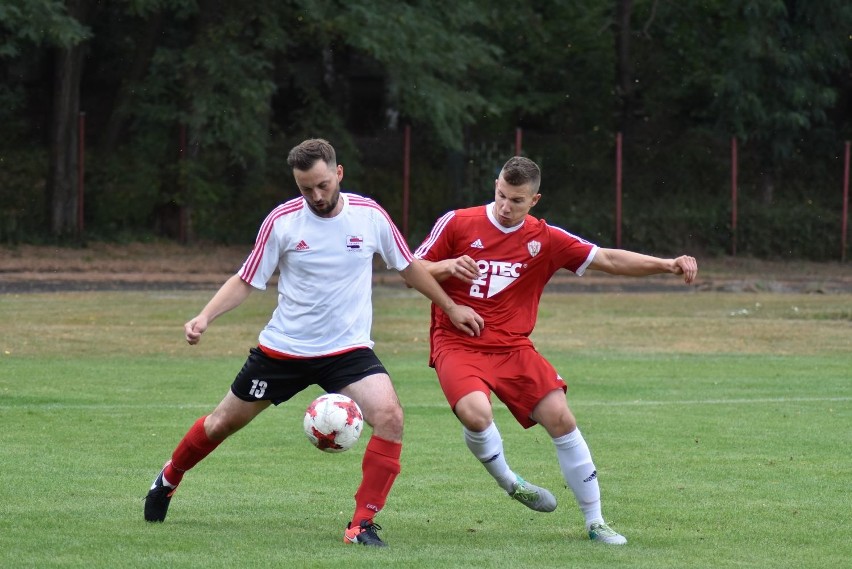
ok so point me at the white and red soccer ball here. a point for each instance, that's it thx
(333, 422)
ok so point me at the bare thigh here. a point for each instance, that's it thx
(231, 415)
(379, 403)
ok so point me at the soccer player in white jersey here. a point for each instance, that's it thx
(497, 259)
(322, 245)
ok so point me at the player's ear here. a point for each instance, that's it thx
(535, 199)
(339, 172)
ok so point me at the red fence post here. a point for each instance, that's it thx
(845, 214)
(734, 160)
(618, 190)
(81, 171)
(406, 175)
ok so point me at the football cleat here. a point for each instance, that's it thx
(157, 500)
(364, 533)
(605, 534)
(532, 496)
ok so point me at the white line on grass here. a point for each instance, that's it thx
(642, 402)
(634, 403)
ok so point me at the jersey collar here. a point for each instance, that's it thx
(489, 211)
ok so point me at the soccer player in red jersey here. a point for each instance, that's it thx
(497, 259)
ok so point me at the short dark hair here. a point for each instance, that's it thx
(309, 152)
(518, 171)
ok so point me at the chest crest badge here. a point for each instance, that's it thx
(354, 242)
(533, 247)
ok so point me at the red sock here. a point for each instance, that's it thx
(380, 468)
(192, 448)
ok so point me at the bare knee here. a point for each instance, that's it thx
(379, 404)
(560, 425)
(387, 422)
(553, 413)
(219, 426)
(230, 416)
(474, 412)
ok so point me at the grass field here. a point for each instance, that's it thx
(721, 426)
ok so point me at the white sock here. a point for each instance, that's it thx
(167, 483)
(487, 446)
(579, 472)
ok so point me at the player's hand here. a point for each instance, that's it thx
(464, 268)
(467, 320)
(194, 329)
(686, 266)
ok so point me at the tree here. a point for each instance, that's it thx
(775, 74)
(27, 23)
(436, 59)
(62, 186)
(245, 81)
(34, 23)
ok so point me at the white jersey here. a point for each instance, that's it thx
(325, 268)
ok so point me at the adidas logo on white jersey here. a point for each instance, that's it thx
(302, 246)
(477, 244)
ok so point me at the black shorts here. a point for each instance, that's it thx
(277, 380)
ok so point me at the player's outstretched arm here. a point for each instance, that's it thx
(229, 296)
(463, 317)
(630, 264)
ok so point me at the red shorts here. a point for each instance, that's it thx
(520, 379)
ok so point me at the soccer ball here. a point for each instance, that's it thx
(333, 422)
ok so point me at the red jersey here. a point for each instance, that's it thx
(515, 264)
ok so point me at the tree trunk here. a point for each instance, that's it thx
(767, 186)
(179, 208)
(623, 68)
(62, 185)
(146, 44)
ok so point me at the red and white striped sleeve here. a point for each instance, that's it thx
(263, 259)
(436, 245)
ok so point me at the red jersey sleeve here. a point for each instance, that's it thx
(569, 251)
(438, 245)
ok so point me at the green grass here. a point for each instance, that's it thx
(721, 425)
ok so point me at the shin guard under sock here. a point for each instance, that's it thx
(380, 468)
(191, 450)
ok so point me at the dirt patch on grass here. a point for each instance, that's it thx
(140, 266)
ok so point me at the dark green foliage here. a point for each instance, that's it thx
(24, 23)
(21, 191)
(124, 190)
(192, 105)
(794, 231)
